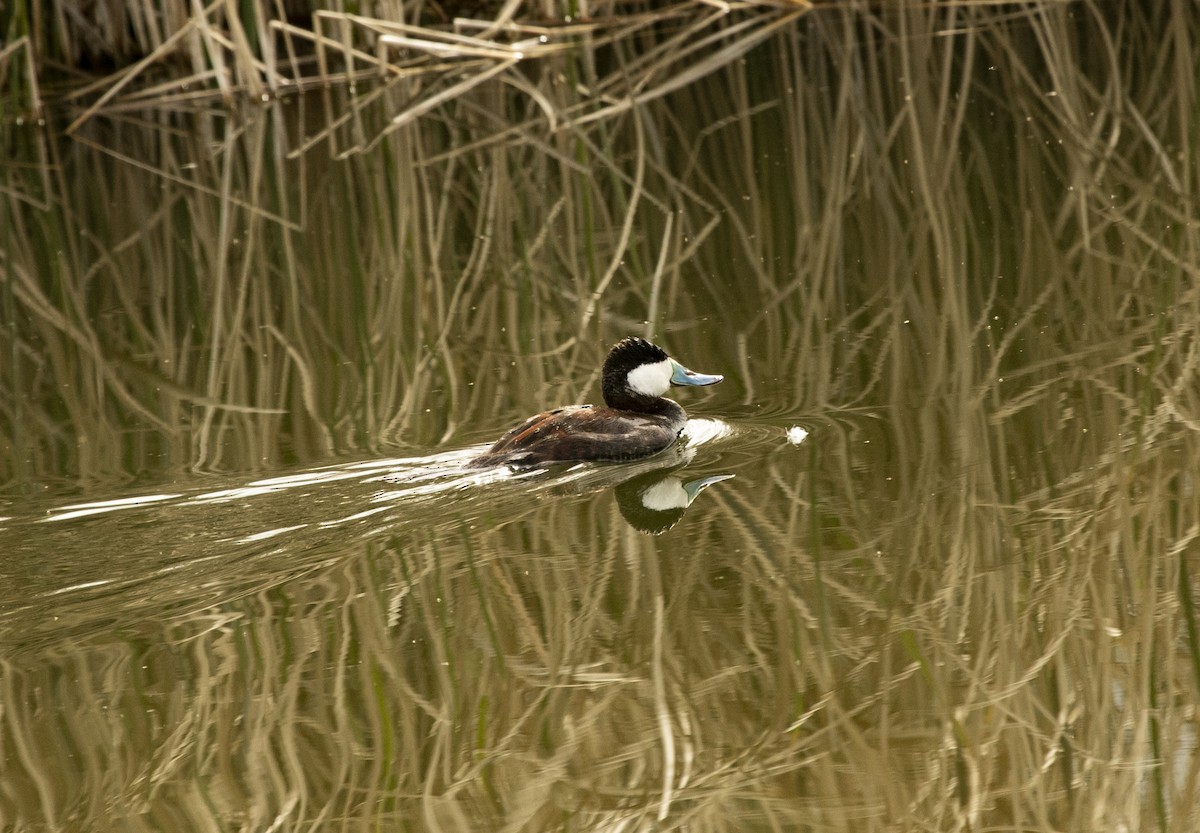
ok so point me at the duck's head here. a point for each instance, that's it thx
(638, 371)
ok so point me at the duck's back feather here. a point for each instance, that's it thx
(584, 432)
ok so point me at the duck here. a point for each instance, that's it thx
(636, 421)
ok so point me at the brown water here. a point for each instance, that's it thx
(935, 570)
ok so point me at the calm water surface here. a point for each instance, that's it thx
(925, 560)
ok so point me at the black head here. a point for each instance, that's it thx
(627, 355)
(638, 373)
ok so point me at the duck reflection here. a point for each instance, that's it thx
(651, 494)
(655, 501)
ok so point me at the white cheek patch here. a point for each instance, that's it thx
(665, 494)
(651, 379)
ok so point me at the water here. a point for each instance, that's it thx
(924, 560)
(72, 568)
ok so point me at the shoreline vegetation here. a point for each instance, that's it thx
(151, 55)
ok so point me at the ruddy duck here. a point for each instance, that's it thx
(638, 422)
